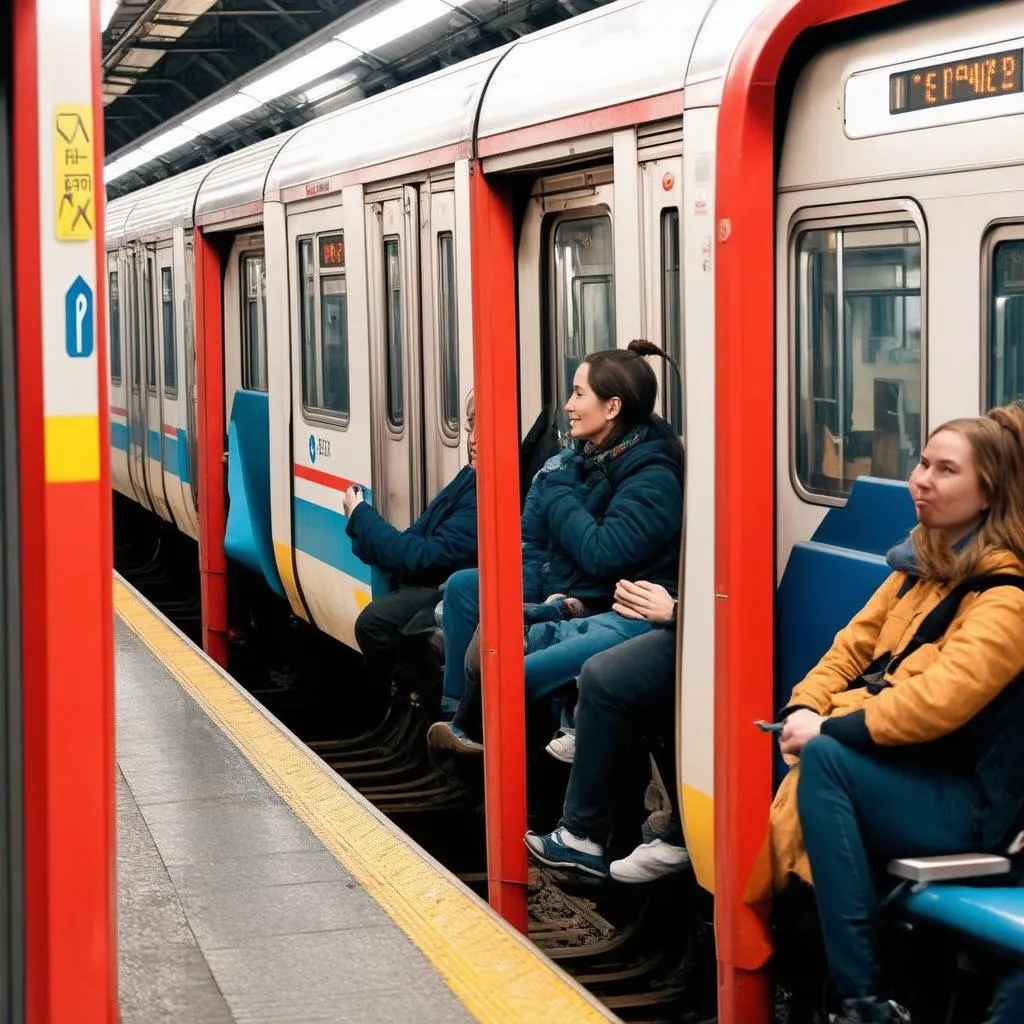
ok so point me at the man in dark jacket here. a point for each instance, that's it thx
(394, 631)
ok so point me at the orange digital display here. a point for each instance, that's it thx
(981, 77)
(332, 252)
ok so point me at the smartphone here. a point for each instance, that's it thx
(769, 726)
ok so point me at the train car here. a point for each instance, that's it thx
(793, 198)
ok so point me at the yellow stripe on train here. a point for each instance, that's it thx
(72, 448)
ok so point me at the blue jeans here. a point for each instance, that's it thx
(1009, 1005)
(858, 809)
(459, 620)
(623, 692)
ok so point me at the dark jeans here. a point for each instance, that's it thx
(393, 634)
(1009, 1005)
(624, 691)
(859, 809)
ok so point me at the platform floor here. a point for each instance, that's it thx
(254, 885)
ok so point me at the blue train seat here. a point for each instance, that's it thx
(247, 537)
(991, 916)
(826, 581)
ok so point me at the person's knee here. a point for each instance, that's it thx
(368, 626)
(600, 679)
(822, 763)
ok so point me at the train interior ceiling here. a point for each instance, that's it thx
(300, 316)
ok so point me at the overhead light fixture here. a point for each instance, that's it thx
(169, 140)
(221, 113)
(126, 163)
(392, 23)
(328, 88)
(107, 9)
(295, 74)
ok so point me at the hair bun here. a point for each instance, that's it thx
(644, 347)
(1010, 417)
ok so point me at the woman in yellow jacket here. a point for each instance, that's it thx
(921, 756)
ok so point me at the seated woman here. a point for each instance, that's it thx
(419, 560)
(613, 505)
(916, 755)
(622, 692)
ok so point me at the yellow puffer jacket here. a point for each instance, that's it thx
(933, 692)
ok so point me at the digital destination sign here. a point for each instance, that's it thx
(332, 252)
(957, 81)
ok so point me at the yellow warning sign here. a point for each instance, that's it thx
(73, 184)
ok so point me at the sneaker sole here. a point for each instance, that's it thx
(445, 739)
(557, 757)
(623, 880)
(564, 865)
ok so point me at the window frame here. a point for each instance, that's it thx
(672, 388)
(312, 415)
(114, 318)
(243, 280)
(149, 305)
(997, 232)
(884, 213)
(450, 430)
(170, 391)
(395, 427)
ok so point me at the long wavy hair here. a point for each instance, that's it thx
(997, 442)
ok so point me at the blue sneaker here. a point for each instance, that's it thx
(555, 852)
(446, 736)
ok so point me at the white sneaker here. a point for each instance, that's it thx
(650, 861)
(563, 747)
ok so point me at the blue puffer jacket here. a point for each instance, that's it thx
(586, 526)
(442, 540)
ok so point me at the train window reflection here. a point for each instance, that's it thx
(393, 321)
(1006, 324)
(584, 291)
(858, 354)
(449, 335)
(147, 306)
(671, 314)
(115, 327)
(170, 341)
(323, 305)
(254, 322)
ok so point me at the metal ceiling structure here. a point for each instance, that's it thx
(164, 60)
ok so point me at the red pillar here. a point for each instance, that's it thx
(65, 530)
(213, 574)
(745, 483)
(496, 370)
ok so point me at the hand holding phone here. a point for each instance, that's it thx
(769, 726)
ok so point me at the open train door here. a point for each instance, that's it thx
(57, 868)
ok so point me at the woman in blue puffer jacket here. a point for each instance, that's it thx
(607, 508)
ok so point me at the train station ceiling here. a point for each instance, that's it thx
(185, 81)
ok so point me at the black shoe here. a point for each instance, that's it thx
(871, 1011)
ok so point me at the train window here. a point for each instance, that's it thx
(449, 335)
(147, 308)
(170, 341)
(134, 328)
(115, 327)
(1006, 324)
(254, 322)
(584, 287)
(393, 322)
(858, 355)
(671, 314)
(323, 301)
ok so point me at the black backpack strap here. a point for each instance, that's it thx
(940, 618)
(906, 586)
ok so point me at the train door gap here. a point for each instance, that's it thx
(12, 939)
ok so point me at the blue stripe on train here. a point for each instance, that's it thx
(320, 533)
(176, 460)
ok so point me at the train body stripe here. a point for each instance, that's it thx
(72, 446)
(319, 476)
(320, 533)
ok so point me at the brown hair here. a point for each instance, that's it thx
(997, 442)
(625, 374)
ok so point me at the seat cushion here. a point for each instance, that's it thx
(991, 916)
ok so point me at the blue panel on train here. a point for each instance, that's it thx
(320, 533)
(248, 538)
(119, 436)
(992, 916)
(878, 514)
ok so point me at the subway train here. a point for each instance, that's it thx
(817, 209)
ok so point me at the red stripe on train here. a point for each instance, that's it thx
(318, 476)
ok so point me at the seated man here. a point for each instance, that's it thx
(622, 692)
(419, 560)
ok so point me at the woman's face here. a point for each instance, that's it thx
(590, 419)
(471, 430)
(945, 485)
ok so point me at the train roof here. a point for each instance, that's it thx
(629, 50)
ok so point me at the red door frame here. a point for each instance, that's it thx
(213, 569)
(66, 599)
(745, 480)
(495, 372)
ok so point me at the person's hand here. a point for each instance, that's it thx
(801, 726)
(353, 497)
(643, 600)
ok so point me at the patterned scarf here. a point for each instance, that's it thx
(595, 455)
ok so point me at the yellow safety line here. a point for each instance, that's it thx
(496, 973)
